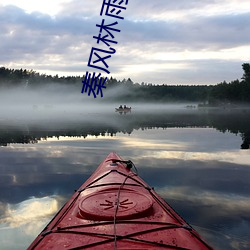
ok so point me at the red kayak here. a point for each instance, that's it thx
(116, 209)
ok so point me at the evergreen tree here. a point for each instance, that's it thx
(246, 69)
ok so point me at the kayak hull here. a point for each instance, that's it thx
(116, 209)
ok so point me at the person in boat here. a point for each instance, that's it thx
(125, 107)
(120, 107)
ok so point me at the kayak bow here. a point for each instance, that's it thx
(116, 209)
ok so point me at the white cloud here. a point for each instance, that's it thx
(45, 6)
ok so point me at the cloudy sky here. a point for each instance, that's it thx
(161, 41)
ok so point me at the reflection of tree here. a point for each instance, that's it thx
(16, 137)
(246, 141)
(222, 120)
(236, 122)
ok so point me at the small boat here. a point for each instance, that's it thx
(116, 209)
(125, 110)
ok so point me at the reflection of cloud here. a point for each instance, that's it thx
(229, 203)
(24, 221)
(30, 213)
(2, 209)
(223, 217)
(223, 156)
(148, 144)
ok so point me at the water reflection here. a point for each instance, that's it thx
(195, 166)
(110, 123)
(31, 210)
(20, 222)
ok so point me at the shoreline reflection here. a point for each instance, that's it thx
(109, 124)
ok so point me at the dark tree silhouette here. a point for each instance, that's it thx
(246, 75)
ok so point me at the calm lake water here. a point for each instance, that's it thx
(197, 160)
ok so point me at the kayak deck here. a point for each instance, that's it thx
(116, 209)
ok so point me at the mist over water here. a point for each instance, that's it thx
(48, 102)
(60, 102)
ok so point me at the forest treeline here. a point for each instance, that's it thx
(236, 91)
